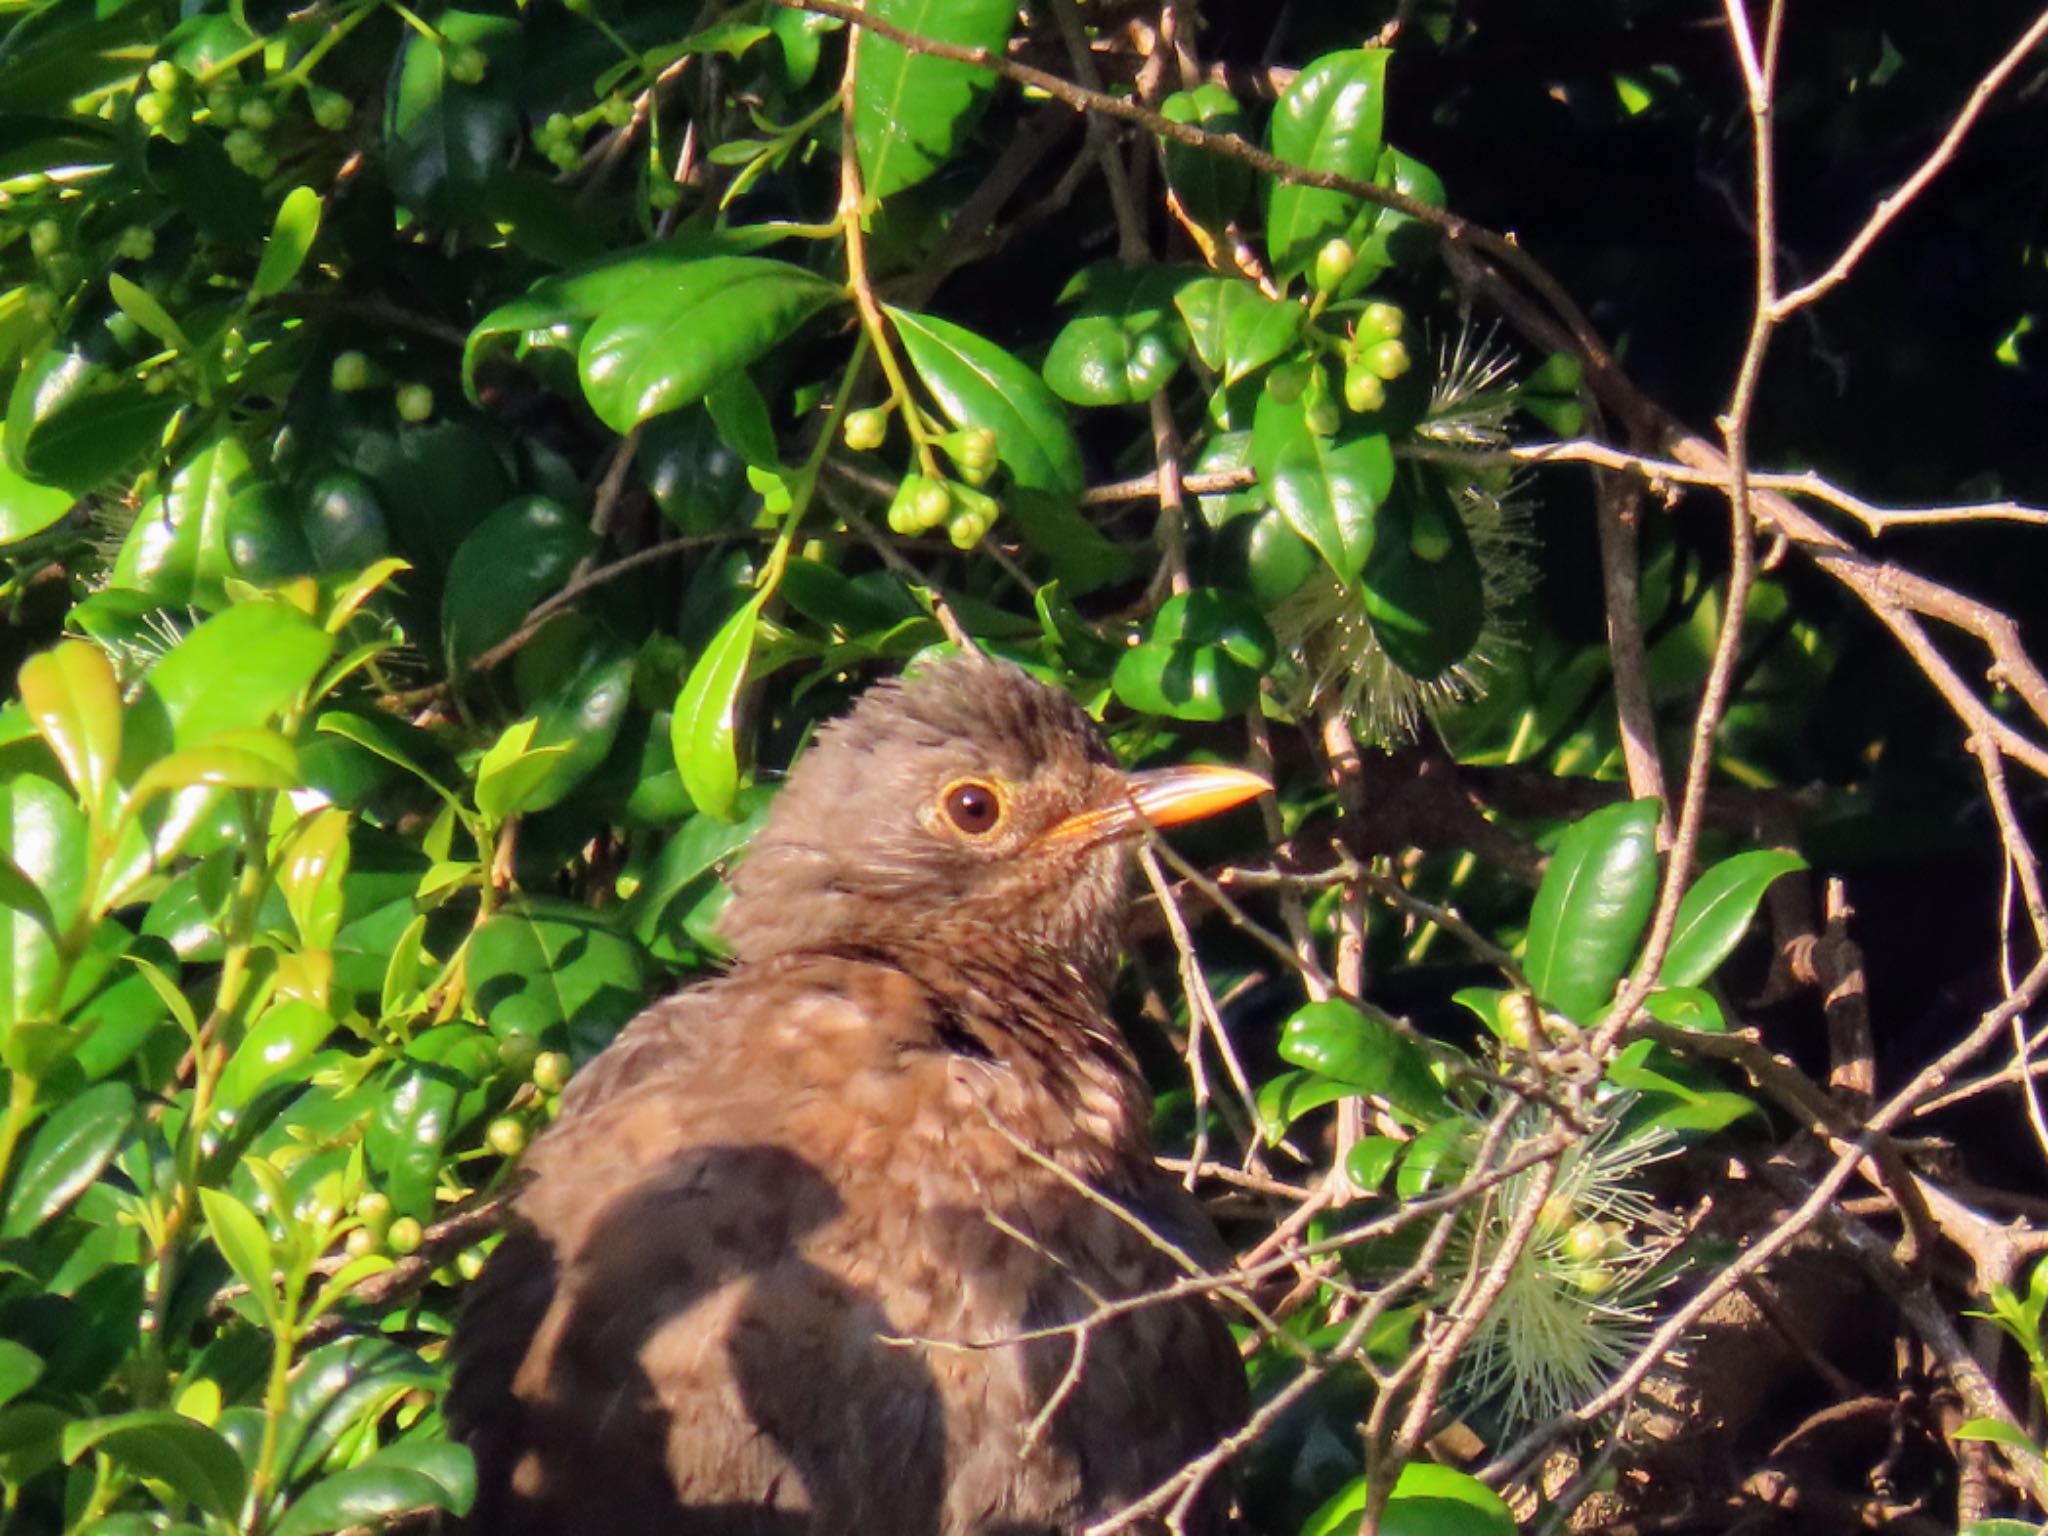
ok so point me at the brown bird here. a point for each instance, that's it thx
(797, 1255)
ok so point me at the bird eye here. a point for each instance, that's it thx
(975, 808)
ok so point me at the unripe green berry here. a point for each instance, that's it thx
(865, 429)
(221, 104)
(361, 1243)
(154, 109)
(374, 1211)
(903, 506)
(351, 371)
(405, 1236)
(932, 505)
(137, 243)
(467, 65)
(1389, 359)
(1379, 321)
(1364, 391)
(516, 1054)
(1592, 1279)
(551, 1071)
(965, 530)
(244, 148)
(257, 115)
(506, 1136)
(331, 109)
(415, 402)
(45, 238)
(617, 111)
(164, 75)
(560, 128)
(1333, 264)
(1586, 1242)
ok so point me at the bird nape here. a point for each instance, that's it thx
(806, 1248)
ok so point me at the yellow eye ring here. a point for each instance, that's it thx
(972, 807)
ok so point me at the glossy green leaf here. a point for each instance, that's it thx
(1716, 913)
(1123, 346)
(177, 551)
(71, 694)
(667, 344)
(67, 1153)
(1236, 330)
(27, 507)
(364, 1495)
(414, 1116)
(75, 423)
(1686, 1008)
(1429, 1499)
(1365, 1054)
(274, 1050)
(578, 681)
(195, 1460)
(511, 560)
(1202, 657)
(445, 139)
(542, 967)
(1391, 238)
(509, 773)
(19, 1369)
(1277, 559)
(1422, 586)
(1328, 488)
(1371, 1159)
(240, 1236)
(910, 111)
(311, 874)
(221, 764)
(1328, 119)
(143, 307)
(43, 835)
(566, 303)
(1212, 188)
(240, 669)
(291, 240)
(978, 384)
(1592, 906)
(704, 728)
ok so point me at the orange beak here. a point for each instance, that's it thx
(1162, 797)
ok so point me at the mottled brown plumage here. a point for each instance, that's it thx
(768, 1271)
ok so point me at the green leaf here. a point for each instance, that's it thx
(26, 507)
(311, 875)
(66, 1155)
(2001, 1526)
(220, 765)
(71, 694)
(74, 423)
(1236, 330)
(511, 560)
(1285, 1097)
(1329, 119)
(540, 967)
(1365, 1054)
(445, 140)
(1123, 346)
(1328, 488)
(408, 1131)
(666, 345)
(578, 681)
(1592, 906)
(19, 1369)
(1716, 912)
(43, 835)
(511, 770)
(1203, 655)
(705, 726)
(277, 1045)
(1422, 586)
(978, 384)
(177, 551)
(384, 1485)
(196, 1461)
(240, 1236)
(557, 310)
(1212, 188)
(1371, 1159)
(291, 239)
(239, 670)
(910, 111)
(141, 306)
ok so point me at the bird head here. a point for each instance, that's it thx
(968, 800)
